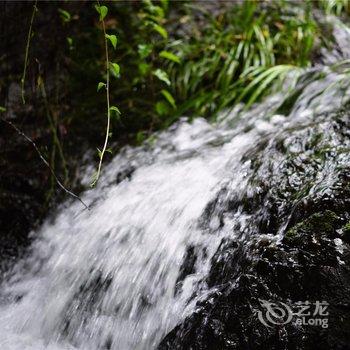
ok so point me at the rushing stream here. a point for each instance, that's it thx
(114, 277)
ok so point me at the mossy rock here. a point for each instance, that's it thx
(321, 224)
(346, 233)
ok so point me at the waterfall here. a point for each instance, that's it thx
(113, 277)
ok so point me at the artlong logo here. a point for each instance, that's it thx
(307, 313)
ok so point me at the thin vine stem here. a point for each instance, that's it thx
(27, 51)
(108, 105)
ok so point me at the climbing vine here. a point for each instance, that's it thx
(115, 70)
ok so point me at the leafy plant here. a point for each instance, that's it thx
(153, 18)
(335, 7)
(240, 54)
(179, 58)
(115, 69)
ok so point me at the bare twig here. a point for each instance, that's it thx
(45, 162)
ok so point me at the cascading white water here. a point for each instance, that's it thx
(108, 275)
(106, 278)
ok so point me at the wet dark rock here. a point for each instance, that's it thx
(226, 261)
(125, 174)
(188, 265)
(307, 233)
(291, 272)
(300, 192)
(87, 299)
(346, 233)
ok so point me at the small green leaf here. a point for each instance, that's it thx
(162, 108)
(100, 86)
(114, 67)
(2, 109)
(140, 137)
(94, 180)
(161, 75)
(115, 109)
(113, 39)
(143, 68)
(109, 150)
(169, 98)
(144, 50)
(102, 11)
(65, 15)
(70, 42)
(158, 11)
(169, 56)
(161, 30)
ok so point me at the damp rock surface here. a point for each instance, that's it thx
(294, 247)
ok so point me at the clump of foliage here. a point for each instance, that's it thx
(184, 58)
(146, 91)
(197, 59)
(335, 7)
(176, 58)
(239, 53)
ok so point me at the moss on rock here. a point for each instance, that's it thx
(318, 224)
(346, 233)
